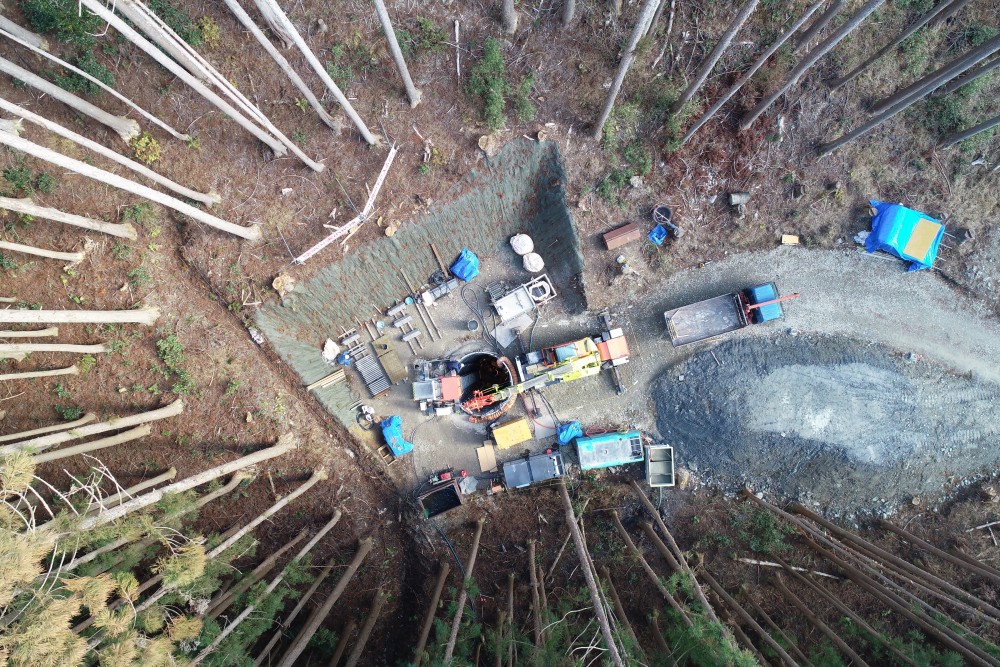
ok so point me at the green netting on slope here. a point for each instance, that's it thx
(518, 190)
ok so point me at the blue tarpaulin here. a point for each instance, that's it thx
(466, 267)
(392, 431)
(567, 432)
(658, 234)
(905, 233)
(762, 294)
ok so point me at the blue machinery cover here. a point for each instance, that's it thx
(466, 266)
(392, 431)
(905, 233)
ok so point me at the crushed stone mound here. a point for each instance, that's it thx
(841, 425)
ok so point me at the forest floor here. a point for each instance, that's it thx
(208, 285)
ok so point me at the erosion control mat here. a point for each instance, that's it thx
(518, 190)
(839, 424)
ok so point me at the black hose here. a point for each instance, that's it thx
(457, 560)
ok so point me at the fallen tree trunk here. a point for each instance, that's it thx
(10, 349)
(747, 618)
(73, 257)
(27, 207)
(823, 21)
(147, 315)
(944, 555)
(274, 14)
(271, 586)
(793, 646)
(620, 611)
(171, 66)
(959, 82)
(698, 590)
(397, 54)
(282, 63)
(137, 167)
(86, 419)
(953, 139)
(94, 80)
(42, 153)
(536, 611)
(366, 629)
(114, 424)
(300, 642)
(841, 645)
(425, 627)
(588, 575)
(34, 333)
(127, 436)
(69, 370)
(463, 594)
(126, 128)
(284, 625)
(345, 637)
(131, 491)
(23, 34)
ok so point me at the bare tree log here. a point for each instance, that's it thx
(817, 27)
(886, 557)
(282, 63)
(217, 607)
(661, 5)
(588, 575)
(43, 442)
(810, 59)
(65, 426)
(961, 81)
(20, 350)
(792, 644)
(425, 627)
(463, 594)
(94, 80)
(23, 34)
(942, 75)
(747, 618)
(944, 635)
(73, 257)
(126, 128)
(847, 611)
(647, 528)
(746, 76)
(508, 16)
(944, 555)
(841, 645)
(366, 629)
(655, 580)
(127, 436)
(742, 638)
(170, 65)
(713, 58)
(620, 611)
(698, 591)
(50, 332)
(628, 57)
(146, 315)
(510, 619)
(287, 623)
(536, 610)
(137, 167)
(661, 642)
(165, 37)
(912, 28)
(271, 586)
(132, 491)
(69, 370)
(285, 444)
(569, 12)
(28, 207)
(541, 586)
(953, 139)
(951, 10)
(299, 644)
(397, 54)
(569, 536)
(42, 153)
(345, 637)
(271, 10)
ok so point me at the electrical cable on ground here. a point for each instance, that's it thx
(458, 560)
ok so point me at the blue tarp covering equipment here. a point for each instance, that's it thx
(761, 294)
(466, 267)
(392, 431)
(658, 234)
(905, 233)
(567, 432)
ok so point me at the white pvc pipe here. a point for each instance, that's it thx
(146, 315)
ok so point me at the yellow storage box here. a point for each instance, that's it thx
(512, 433)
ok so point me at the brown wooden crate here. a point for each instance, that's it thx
(616, 238)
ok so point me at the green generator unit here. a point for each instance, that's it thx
(609, 449)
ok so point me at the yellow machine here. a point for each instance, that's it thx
(552, 365)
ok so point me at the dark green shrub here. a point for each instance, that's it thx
(488, 81)
(63, 19)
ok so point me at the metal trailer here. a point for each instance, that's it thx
(724, 314)
(520, 473)
(659, 465)
(609, 449)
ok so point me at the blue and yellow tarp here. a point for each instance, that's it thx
(905, 233)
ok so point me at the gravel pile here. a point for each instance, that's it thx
(839, 424)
